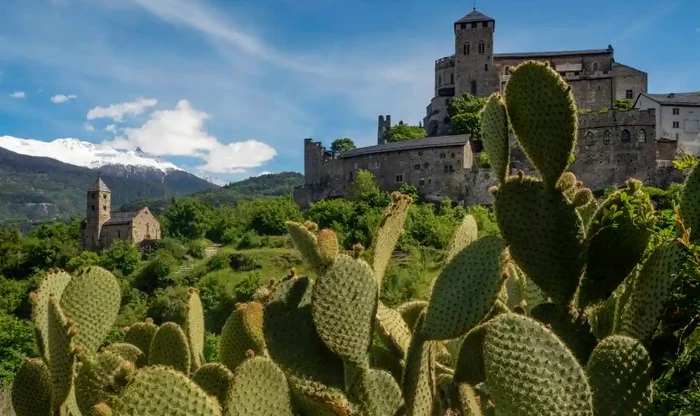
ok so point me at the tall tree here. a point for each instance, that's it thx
(463, 114)
(364, 187)
(340, 146)
(401, 132)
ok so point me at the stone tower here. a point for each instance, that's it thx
(474, 67)
(383, 126)
(99, 203)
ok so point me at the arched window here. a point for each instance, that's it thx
(642, 136)
(590, 140)
(606, 137)
(625, 136)
(467, 50)
(439, 80)
(596, 67)
(506, 70)
(482, 47)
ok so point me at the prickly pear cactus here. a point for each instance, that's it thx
(170, 348)
(242, 331)
(31, 390)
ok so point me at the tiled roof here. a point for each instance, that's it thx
(99, 185)
(679, 98)
(120, 218)
(437, 141)
(475, 16)
(547, 54)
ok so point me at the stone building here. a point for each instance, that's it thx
(596, 79)
(101, 228)
(678, 117)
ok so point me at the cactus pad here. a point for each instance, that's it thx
(411, 310)
(306, 242)
(419, 377)
(542, 111)
(327, 246)
(378, 393)
(215, 379)
(651, 291)
(494, 132)
(465, 290)
(127, 351)
(393, 330)
(31, 390)
(690, 203)
(318, 400)
(545, 234)
(344, 304)
(53, 283)
(619, 371)
(99, 379)
(61, 352)
(92, 299)
(259, 388)
(469, 403)
(194, 327)
(242, 331)
(170, 348)
(575, 333)
(141, 334)
(465, 234)
(388, 233)
(161, 391)
(470, 361)
(530, 371)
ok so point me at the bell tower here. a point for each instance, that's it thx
(474, 67)
(98, 206)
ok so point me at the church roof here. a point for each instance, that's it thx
(121, 218)
(437, 141)
(99, 185)
(475, 16)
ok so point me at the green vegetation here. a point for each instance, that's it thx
(555, 303)
(463, 115)
(624, 104)
(340, 146)
(401, 132)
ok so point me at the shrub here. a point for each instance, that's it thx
(122, 256)
(250, 239)
(242, 262)
(84, 259)
(197, 248)
(218, 261)
(16, 342)
(155, 273)
(168, 305)
(172, 246)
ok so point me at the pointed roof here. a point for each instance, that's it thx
(99, 185)
(475, 16)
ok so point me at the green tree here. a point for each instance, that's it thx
(16, 342)
(410, 190)
(364, 187)
(340, 146)
(623, 104)
(84, 259)
(187, 219)
(464, 115)
(122, 256)
(401, 132)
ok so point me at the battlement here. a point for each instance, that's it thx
(446, 62)
(634, 117)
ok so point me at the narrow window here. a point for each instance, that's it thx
(484, 24)
(629, 94)
(676, 124)
(474, 25)
(467, 49)
(93, 207)
(482, 47)
(104, 196)
(473, 88)
(452, 78)
(596, 67)
(486, 67)
(676, 111)
(453, 155)
(119, 233)
(425, 165)
(625, 136)
(421, 182)
(676, 136)
(104, 207)
(399, 178)
(439, 79)
(642, 136)
(416, 166)
(445, 169)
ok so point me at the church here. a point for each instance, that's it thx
(101, 228)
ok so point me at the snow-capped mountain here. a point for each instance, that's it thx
(89, 155)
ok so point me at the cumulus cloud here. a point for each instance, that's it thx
(111, 128)
(18, 94)
(62, 98)
(88, 127)
(117, 111)
(181, 132)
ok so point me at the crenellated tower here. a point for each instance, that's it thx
(474, 68)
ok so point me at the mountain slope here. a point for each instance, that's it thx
(40, 188)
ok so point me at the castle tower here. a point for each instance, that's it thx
(99, 203)
(474, 67)
(383, 126)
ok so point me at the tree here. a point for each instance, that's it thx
(364, 187)
(122, 256)
(623, 105)
(340, 146)
(187, 219)
(401, 132)
(463, 115)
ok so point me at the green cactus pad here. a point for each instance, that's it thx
(377, 393)
(410, 311)
(141, 335)
(259, 388)
(53, 283)
(386, 359)
(619, 371)
(529, 371)
(545, 234)
(242, 331)
(652, 290)
(327, 246)
(169, 348)
(344, 305)
(127, 351)
(465, 234)
(542, 111)
(161, 391)
(215, 379)
(575, 333)
(388, 233)
(194, 328)
(313, 398)
(61, 353)
(100, 379)
(393, 330)
(419, 377)
(690, 204)
(292, 340)
(470, 361)
(306, 242)
(513, 291)
(469, 403)
(92, 299)
(465, 290)
(494, 132)
(31, 390)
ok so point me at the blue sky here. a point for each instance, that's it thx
(232, 87)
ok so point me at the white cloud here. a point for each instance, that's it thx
(117, 111)
(111, 128)
(18, 94)
(88, 127)
(180, 132)
(62, 98)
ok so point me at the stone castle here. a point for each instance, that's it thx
(612, 145)
(101, 228)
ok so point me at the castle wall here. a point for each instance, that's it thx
(145, 227)
(629, 82)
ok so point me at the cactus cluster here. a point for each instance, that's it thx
(550, 319)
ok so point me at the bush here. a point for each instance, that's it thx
(250, 239)
(287, 260)
(155, 273)
(172, 246)
(242, 262)
(122, 256)
(169, 305)
(16, 342)
(83, 260)
(198, 248)
(218, 261)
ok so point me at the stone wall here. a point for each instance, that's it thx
(145, 227)
(112, 233)
(629, 79)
